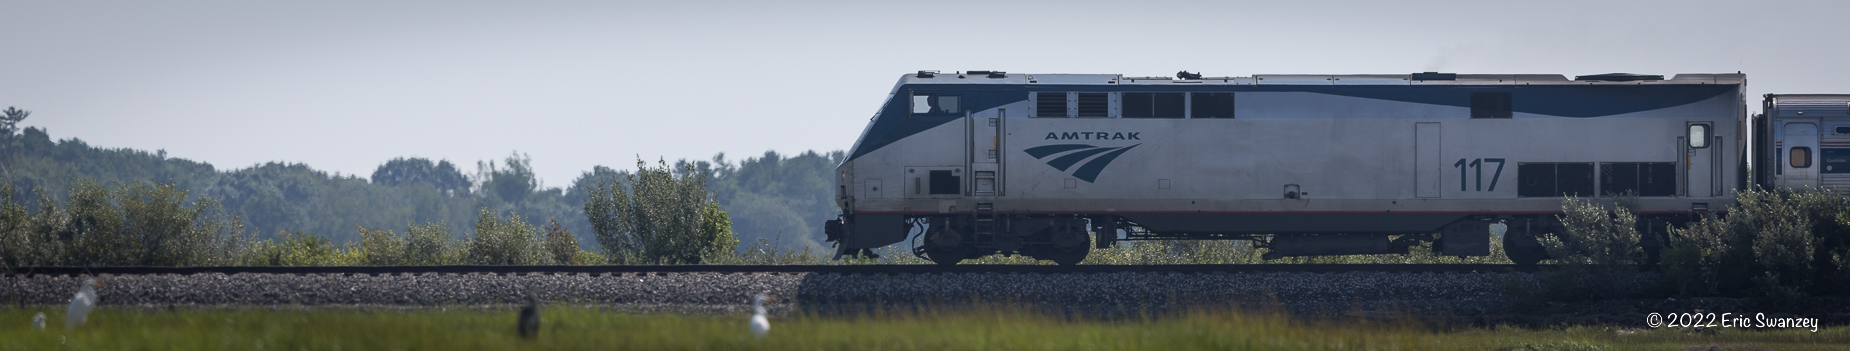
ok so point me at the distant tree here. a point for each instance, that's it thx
(586, 181)
(513, 183)
(9, 123)
(417, 170)
(779, 196)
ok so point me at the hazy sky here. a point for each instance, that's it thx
(345, 86)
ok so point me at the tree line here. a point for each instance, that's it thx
(773, 200)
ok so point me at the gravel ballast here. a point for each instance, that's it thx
(1077, 293)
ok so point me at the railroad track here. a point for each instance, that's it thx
(838, 269)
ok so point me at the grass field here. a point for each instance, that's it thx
(586, 328)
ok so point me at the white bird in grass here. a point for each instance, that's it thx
(38, 321)
(81, 305)
(760, 325)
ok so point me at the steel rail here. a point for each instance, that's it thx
(791, 269)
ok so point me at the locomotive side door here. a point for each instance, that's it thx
(1426, 162)
(1798, 154)
(984, 152)
(1698, 151)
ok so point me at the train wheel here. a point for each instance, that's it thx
(1070, 245)
(1065, 256)
(1522, 247)
(946, 256)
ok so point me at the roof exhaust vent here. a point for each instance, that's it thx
(1435, 76)
(927, 74)
(990, 74)
(1618, 77)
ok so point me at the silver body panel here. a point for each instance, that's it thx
(1354, 163)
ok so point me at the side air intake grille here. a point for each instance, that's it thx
(1050, 104)
(1639, 178)
(1554, 179)
(1213, 105)
(1790, 106)
(1490, 105)
(1618, 77)
(1094, 104)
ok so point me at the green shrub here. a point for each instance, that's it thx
(430, 244)
(94, 234)
(772, 251)
(1785, 239)
(140, 224)
(509, 241)
(27, 237)
(298, 249)
(659, 216)
(561, 245)
(1772, 243)
(427, 244)
(1594, 235)
(382, 248)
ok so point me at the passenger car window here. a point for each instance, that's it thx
(1801, 157)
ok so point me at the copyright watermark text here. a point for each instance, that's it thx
(1727, 320)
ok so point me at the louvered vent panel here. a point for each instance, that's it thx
(1094, 104)
(1836, 182)
(1814, 105)
(1491, 105)
(1171, 105)
(1050, 104)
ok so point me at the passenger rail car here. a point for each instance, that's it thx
(980, 162)
(1803, 142)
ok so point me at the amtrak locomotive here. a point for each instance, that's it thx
(1051, 165)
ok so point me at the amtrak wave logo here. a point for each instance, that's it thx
(1079, 152)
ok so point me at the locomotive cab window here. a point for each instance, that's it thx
(1801, 157)
(1698, 136)
(935, 104)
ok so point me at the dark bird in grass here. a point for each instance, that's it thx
(530, 317)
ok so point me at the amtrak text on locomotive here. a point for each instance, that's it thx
(1093, 136)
